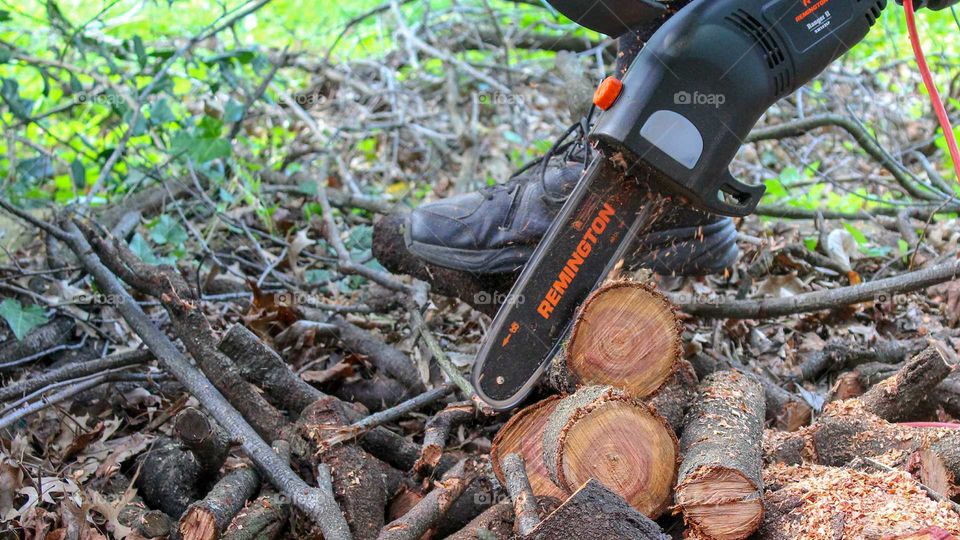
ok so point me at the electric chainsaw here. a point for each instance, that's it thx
(669, 129)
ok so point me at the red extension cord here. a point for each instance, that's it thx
(931, 86)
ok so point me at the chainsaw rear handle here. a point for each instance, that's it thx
(702, 82)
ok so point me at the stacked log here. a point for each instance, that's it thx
(603, 434)
(720, 486)
(627, 336)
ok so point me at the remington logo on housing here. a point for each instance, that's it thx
(576, 260)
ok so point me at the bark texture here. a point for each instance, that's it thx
(260, 364)
(720, 488)
(896, 399)
(523, 434)
(422, 517)
(594, 512)
(208, 518)
(169, 478)
(208, 442)
(676, 396)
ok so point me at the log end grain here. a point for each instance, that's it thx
(603, 434)
(627, 336)
(523, 434)
(721, 503)
(199, 523)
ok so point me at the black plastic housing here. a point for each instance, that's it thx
(719, 65)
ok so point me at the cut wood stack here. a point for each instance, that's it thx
(624, 349)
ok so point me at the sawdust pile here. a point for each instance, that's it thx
(816, 502)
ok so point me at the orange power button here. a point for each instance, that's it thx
(607, 93)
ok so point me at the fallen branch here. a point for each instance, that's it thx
(261, 365)
(524, 501)
(40, 342)
(829, 299)
(74, 371)
(318, 504)
(438, 430)
(363, 426)
(415, 523)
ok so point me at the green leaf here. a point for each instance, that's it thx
(209, 127)
(160, 113)
(4, 15)
(78, 173)
(141, 249)
(10, 92)
(168, 231)
(141, 52)
(201, 149)
(21, 319)
(857, 234)
(233, 111)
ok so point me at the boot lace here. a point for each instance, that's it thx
(566, 146)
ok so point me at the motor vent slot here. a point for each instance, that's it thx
(761, 36)
(770, 45)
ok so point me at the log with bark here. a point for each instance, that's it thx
(861, 427)
(261, 365)
(602, 433)
(362, 483)
(207, 519)
(208, 442)
(170, 477)
(523, 435)
(594, 512)
(720, 487)
(675, 397)
(422, 517)
(626, 336)
(438, 430)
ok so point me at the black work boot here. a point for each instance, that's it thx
(496, 229)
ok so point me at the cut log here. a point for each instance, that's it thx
(169, 477)
(148, 523)
(627, 336)
(264, 519)
(938, 465)
(207, 519)
(594, 512)
(523, 435)
(604, 434)
(896, 399)
(720, 486)
(204, 438)
(673, 400)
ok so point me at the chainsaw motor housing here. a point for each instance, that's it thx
(705, 78)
